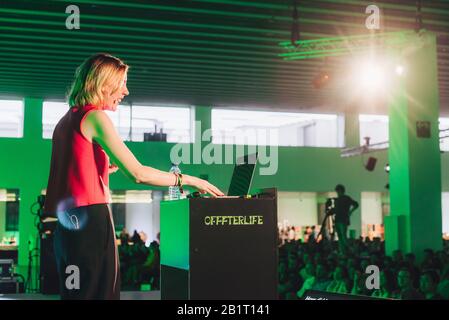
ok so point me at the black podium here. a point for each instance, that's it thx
(219, 248)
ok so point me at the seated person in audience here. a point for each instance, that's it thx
(307, 275)
(340, 283)
(398, 260)
(428, 285)
(406, 291)
(151, 267)
(307, 272)
(124, 236)
(319, 282)
(283, 284)
(321, 279)
(137, 254)
(443, 286)
(358, 283)
(410, 264)
(312, 235)
(386, 285)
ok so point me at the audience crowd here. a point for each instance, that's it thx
(321, 266)
(139, 264)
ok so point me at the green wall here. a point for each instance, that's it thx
(25, 164)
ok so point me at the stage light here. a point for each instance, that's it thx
(369, 75)
(399, 70)
(371, 164)
(295, 35)
(321, 80)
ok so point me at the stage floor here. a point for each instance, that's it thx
(124, 295)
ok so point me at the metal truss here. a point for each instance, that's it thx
(357, 151)
(335, 46)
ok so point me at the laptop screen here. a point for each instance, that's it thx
(242, 175)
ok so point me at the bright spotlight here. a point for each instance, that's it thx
(399, 70)
(371, 76)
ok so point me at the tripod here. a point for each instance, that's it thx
(32, 254)
(329, 215)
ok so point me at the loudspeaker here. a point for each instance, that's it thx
(154, 136)
(11, 286)
(371, 164)
(48, 272)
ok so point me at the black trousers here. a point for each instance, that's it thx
(342, 232)
(86, 254)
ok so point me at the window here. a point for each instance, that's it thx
(12, 216)
(119, 215)
(298, 208)
(11, 118)
(276, 128)
(444, 135)
(445, 212)
(139, 123)
(9, 215)
(121, 118)
(133, 210)
(171, 124)
(52, 112)
(374, 127)
(372, 207)
(154, 123)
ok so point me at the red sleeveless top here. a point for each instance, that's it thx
(79, 173)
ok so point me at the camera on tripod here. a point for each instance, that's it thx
(327, 230)
(330, 206)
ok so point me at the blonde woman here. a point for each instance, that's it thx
(84, 142)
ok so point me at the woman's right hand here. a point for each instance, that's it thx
(203, 186)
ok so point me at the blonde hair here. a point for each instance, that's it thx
(95, 72)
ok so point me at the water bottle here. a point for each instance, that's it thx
(173, 191)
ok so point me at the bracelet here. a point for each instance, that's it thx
(180, 183)
(176, 179)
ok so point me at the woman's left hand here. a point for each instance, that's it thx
(112, 168)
